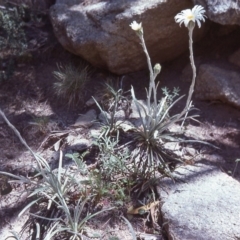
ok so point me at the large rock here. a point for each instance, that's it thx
(235, 58)
(215, 83)
(99, 31)
(202, 205)
(225, 12)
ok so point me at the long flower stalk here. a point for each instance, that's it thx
(189, 18)
(152, 73)
(191, 90)
(152, 87)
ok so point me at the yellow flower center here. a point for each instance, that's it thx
(190, 17)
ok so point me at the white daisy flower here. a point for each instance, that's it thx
(188, 15)
(136, 26)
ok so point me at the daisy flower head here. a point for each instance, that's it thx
(136, 26)
(191, 15)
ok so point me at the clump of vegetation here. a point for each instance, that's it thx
(71, 83)
(13, 40)
(59, 194)
(113, 100)
(123, 169)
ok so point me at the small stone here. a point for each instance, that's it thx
(126, 126)
(86, 120)
(94, 133)
(104, 117)
(119, 115)
(190, 151)
(76, 143)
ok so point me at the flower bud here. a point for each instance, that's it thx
(157, 69)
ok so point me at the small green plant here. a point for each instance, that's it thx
(78, 159)
(71, 83)
(112, 160)
(112, 177)
(114, 192)
(113, 100)
(110, 87)
(109, 123)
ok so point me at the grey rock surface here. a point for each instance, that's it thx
(235, 58)
(126, 126)
(120, 115)
(225, 12)
(104, 117)
(99, 31)
(204, 205)
(78, 143)
(215, 83)
(86, 120)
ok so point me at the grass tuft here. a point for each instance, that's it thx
(71, 83)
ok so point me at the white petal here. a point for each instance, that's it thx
(198, 23)
(195, 15)
(136, 26)
(187, 11)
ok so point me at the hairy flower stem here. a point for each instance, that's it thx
(191, 90)
(191, 26)
(152, 85)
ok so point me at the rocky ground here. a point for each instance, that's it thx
(29, 102)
